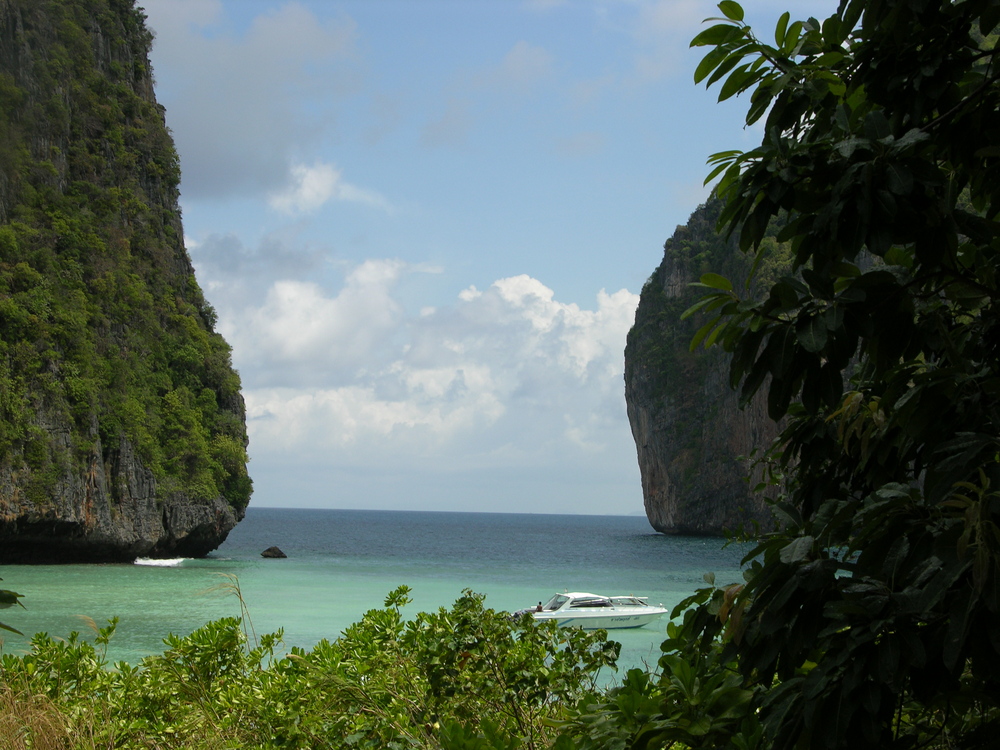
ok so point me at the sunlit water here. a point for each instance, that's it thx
(342, 563)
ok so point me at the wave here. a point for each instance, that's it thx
(171, 562)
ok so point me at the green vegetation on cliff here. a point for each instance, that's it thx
(103, 329)
(666, 334)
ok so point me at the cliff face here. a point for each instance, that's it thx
(122, 426)
(693, 441)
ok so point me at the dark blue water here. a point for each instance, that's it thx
(487, 546)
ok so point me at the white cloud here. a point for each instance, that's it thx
(301, 336)
(467, 295)
(500, 377)
(311, 187)
(318, 422)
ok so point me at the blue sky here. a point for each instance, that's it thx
(424, 225)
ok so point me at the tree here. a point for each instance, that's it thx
(871, 615)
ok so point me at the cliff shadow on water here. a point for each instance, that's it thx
(122, 424)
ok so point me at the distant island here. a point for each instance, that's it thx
(122, 424)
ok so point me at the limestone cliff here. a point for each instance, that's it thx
(692, 439)
(122, 425)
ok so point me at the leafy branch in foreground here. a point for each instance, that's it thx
(9, 599)
(696, 699)
(462, 678)
(869, 618)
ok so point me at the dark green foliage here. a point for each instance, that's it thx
(871, 616)
(462, 678)
(102, 325)
(697, 698)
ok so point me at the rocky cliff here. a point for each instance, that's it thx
(122, 426)
(693, 441)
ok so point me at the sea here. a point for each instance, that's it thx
(342, 563)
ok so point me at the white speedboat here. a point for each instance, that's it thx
(591, 611)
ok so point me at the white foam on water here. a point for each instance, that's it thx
(171, 562)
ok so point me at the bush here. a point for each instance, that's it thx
(461, 678)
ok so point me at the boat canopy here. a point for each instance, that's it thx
(578, 601)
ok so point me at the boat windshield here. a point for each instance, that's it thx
(628, 601)
(555, 602)
(590, 602)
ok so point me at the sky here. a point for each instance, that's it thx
(425, 224)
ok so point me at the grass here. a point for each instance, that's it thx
(31, 722)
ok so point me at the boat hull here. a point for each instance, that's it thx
(579, 609)
(603, 621)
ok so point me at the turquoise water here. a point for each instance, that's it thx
(342, 563)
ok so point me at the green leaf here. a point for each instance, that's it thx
(847, 270)
(899, 179)
(715, 172)
(714, 335)
(711, 302)
(759, 102)
(833, 32)
(718, 34)
(910, 138)
(736, 54)
(877, 126)
(10, 598)
(702, 332)
(709, 62)
(780, 29)
(736, 82)
(834, 84)
(791, 38)
(780, 350)
(829, 59)
(731, 10)
(848, 146)
(852, 13)
(724, 157)
(797, 550)
(716, 281)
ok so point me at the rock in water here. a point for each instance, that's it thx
(122, 424)
(691, 437)
(273, 552)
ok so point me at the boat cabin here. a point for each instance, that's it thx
(576, 601)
